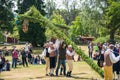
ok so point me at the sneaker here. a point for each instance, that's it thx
(51, 74)
(47, 75)
(60, 73)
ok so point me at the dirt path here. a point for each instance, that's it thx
(81, 71)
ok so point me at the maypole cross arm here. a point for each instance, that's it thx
(33, 15)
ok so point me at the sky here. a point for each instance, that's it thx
(60, 5)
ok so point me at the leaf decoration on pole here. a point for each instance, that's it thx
(25, 25)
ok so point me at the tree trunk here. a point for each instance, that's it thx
(34, 44)
(112, 33)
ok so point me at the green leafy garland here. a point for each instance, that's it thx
(34, 15)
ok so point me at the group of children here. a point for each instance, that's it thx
(56, 55)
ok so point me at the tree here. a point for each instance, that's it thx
(2, 37)
(56, 18)
(113, 18)
(36, 32)
(59, 21)
(38, 18)
(50, 7)
(6, 15)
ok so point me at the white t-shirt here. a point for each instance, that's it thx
(70, 53)
(26, 48)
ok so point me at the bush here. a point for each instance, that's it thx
(105, 39)
(2, 37)
(117, 38)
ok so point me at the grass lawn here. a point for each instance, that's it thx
(81, 71)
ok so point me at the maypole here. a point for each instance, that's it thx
(33, 15)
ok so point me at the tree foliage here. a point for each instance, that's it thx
(56, 18)
(50, 7)
(113, 17)
(6, 15)
(36, 32)
(40, 19)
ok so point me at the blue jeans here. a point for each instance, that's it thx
(63, 64)
(14, 62)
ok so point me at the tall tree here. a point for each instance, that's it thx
(50, 7)
(36, 32)
(6, 15)
(113, 17)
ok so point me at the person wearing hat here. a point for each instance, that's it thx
(51, 51)
(69, 57)
(109, 59)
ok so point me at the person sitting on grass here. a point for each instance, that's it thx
(6, 66)
(1, 64)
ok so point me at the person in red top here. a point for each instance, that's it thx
(14, 58)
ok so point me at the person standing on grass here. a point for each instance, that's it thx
(116, 66)
(90, 49)
(14, 58)
(26, 48)
(52, 55)
(46, 54)
(24, 57)
(69, 57)
(62, 58)
(109, 59)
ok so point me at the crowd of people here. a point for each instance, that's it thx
(56, 54)
(24, 57)
(108, 56)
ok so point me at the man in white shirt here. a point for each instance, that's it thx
(109, 59)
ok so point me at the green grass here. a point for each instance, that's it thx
(38, 72)
(81, 71)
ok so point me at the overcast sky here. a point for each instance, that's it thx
(59, 3)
